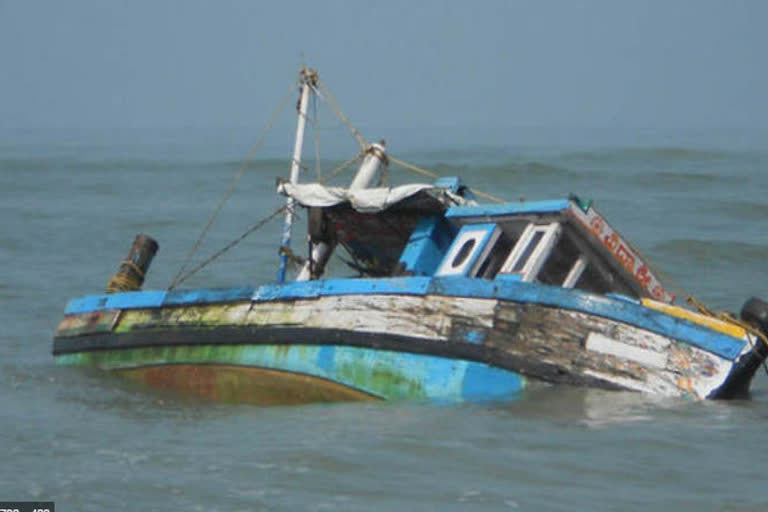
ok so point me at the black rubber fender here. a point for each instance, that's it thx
(755, 312)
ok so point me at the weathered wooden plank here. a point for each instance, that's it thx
(87, 323)
(721, 344)
(428, 317)
(596, 342)
(560, 338)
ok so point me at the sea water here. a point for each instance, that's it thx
(69, 210)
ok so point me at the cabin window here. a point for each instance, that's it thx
(532, 250)
(528, 247)
(554, 255)
(575, 273)
(469, 250)
(591, 280)
(495, 259)
(564, 265)
(463, 253)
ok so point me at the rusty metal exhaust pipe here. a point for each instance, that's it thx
(130, 275)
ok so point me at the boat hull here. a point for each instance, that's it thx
(290, 373)
(242, 384)
(399, 340)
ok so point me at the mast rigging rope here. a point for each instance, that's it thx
(176, 280)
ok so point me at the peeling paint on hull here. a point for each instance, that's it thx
(288, 374)
(418, 345)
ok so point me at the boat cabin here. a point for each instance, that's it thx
(439, 230)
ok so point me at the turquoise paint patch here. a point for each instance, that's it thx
(483, 382)
(509, 277)
(551, 206)
(475, 337)
(392, 285)
(326, 358)
(207, 295)
(294, 290)
(583, 204)
(398, 375)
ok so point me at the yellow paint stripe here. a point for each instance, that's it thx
(697, 318)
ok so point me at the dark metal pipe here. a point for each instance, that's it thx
(130, 275)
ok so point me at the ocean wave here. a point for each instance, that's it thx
(713, 251)
(654, 153)
(546, 169)
(743, 210)
(515, 168)
(133, 164)
(666, 178)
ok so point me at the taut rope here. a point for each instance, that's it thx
(176, 280)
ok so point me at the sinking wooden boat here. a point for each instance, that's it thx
(453, 300)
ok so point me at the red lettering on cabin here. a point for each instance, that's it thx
(626, 258)
(643, 277)
(617, 247)
(597, 225)
(611, 242)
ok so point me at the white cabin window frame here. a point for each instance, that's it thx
(469, 250)
(532, 250)
(575, 273)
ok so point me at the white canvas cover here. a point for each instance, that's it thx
(367, 200)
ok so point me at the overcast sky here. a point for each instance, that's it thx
(107, 63)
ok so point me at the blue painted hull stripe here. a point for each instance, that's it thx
(387, 374)
(294, 290)
(153, 299)
(178, 297)
(389, 286)
(430, 377)
(721, 344)
(125, 300)
(551, 206)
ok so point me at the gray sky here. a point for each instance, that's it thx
(484, 64)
